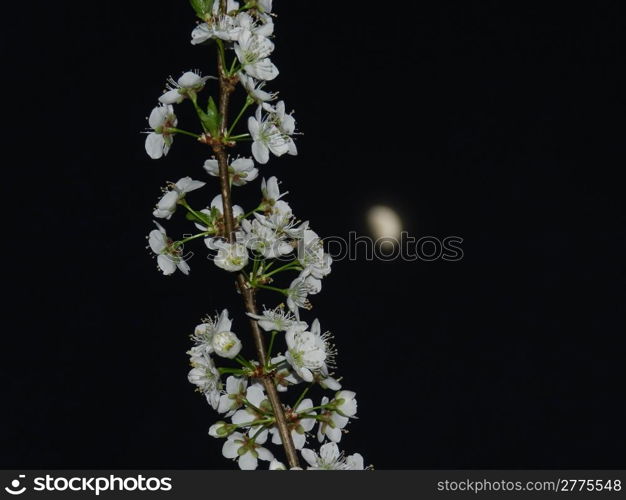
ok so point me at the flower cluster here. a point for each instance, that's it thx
(248, 420)
(262, 244)
(270, 235)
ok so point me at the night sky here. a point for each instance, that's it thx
(500, 123)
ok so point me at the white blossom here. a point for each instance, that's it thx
(169, 256)
(256, 397)
(226, 344)
(210, 326)
(299, 426)
(298, 292)
(264, 240)
(197, 355)
(253, 52)
(247, 23)
(218, 204)
(271, 193)
(285, 122)
(177, 91)
(311, 255)
(330, 458)
(167, 204)
(235, 393)
(284, 377)
(277, 213)
(241, 170)
(230, 256)
(159, 141)
(282, 221)
(331, 424)
(264, 5)
(277, 319)
(222, 26)
(255, 89)
(266, 137)
(246, 450)
(308, 351)
(345, 403)
(214, 215)
(329, 383)
(205, 375)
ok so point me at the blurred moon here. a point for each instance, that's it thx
(384, 222)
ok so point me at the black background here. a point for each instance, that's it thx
(499, 122)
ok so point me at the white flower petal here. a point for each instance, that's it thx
(329, 452)
(157, 242)
(200, 34)
(265, 454)
(189, 79)
(248, 461)
(183, 266)
(155, 145)
(158, 115)
(225, 404)
(339, 420)
(255, 395)
(334, 434)
(167, 265)
(355, 462)
(212, 167)
(259, 150)
(330, 383)
(310, 456)
(172, 97)
(276, 439)
(230, 448)
(299, 440)
(242, 417)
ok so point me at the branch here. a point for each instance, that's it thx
(226, 87)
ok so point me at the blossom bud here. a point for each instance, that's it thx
(345, 403)
(226, 344)
(220, 429)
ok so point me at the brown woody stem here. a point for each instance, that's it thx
(226, 87)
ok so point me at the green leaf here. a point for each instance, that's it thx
(212, 109)
(211, 119)
(202, 7)
(201, 218)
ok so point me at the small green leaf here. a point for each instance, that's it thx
(202, 7)
(211, 119)
(201, 218)
(213, 116)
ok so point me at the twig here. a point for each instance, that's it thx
(225, 90)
